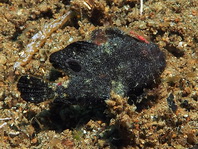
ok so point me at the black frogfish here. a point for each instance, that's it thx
(110, 61)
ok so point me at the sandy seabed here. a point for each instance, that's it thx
(152, 123)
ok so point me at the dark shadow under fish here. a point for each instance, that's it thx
(111, 61)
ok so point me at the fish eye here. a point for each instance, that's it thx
(74, 65)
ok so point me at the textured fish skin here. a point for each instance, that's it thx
(110, 61)
(34, 89)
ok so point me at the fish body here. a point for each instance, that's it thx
(110, 61)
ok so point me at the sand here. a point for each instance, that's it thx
(165, 117)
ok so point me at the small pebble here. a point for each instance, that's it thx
(2, 59)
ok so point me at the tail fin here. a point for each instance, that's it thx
(34, 89)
